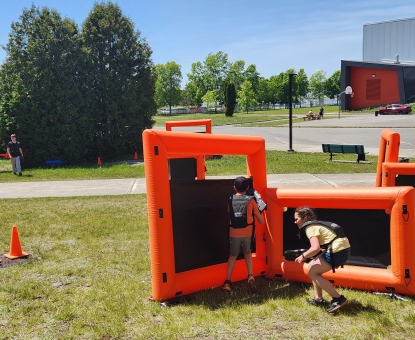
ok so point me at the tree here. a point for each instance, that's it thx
(230, 99)
(192, 95)
(316, 84)
(246, 96)
(236, 74)
(41, 87)
(252, 75)
(301, 81)
(332, 85)
(211, 99)
(209, 76)
(121, 82)
(264, 91)
(197, 85)
(169, 77)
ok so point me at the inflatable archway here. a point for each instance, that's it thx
(188, 219)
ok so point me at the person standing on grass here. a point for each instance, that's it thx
(321, 112)
(242, 209)
(15, 152)
(329, 239)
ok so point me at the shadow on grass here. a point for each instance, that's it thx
(267, 290)
(216, 298)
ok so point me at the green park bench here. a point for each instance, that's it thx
(345, 148)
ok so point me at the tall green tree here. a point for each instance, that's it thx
(42, 89)
(210, 75)
(246, 96)
(236, 74)
(230, 99)
(317, 87)
(169, 77)
(301, 81)
(252, 75)
(264, 91)
(198, 83)
(332, 85)
(121, 82)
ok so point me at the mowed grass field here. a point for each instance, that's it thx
(90, 278)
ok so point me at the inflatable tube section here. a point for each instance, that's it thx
(388, 151)
(379, 222)
(398, 174)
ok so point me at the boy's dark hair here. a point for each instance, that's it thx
(241, 184)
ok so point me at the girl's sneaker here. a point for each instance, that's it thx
(227, 286)
(336, 304)
(317, 303)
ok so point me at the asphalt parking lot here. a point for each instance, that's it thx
(308, 136)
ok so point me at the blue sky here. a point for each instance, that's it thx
(275, 35)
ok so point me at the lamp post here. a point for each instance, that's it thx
(348, 90)
(290, 94)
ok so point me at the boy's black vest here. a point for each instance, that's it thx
(237, 209)
(338, 230)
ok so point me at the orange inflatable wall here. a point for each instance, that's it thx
(398, 202)
(159, 146)
(207, 123)
(204, 122)
(393, 173)
(388, 151)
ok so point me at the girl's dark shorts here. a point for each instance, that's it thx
(338, 258)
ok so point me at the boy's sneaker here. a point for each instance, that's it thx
(317, 303)
(336, 304)
(226, 286)
(251, 284)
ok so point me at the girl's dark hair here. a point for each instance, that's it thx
(306, 212)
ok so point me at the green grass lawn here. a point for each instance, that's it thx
(278, 162)
(90, 279)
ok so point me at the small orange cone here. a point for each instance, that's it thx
(135, 155)
(99, 160)
(15, 248)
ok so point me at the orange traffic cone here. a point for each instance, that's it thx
(135, 155)
(99, 160)
(15, 248)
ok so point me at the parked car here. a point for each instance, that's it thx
(395, 109)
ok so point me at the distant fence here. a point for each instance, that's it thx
(263, 106)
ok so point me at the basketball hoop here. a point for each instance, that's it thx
(352, 94)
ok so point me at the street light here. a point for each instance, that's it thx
(291, 77)
(348, 90)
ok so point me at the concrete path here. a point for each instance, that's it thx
(138, 185)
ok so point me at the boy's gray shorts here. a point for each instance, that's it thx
(237, 242)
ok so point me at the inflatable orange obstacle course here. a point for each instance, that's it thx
(188, 219)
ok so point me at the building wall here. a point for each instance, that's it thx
(383, 40)
(373, 86)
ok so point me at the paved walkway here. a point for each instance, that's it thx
(138, 185)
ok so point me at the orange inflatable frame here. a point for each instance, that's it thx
(388, 151)
(207, 123)
(396, 201)
(159, 146)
